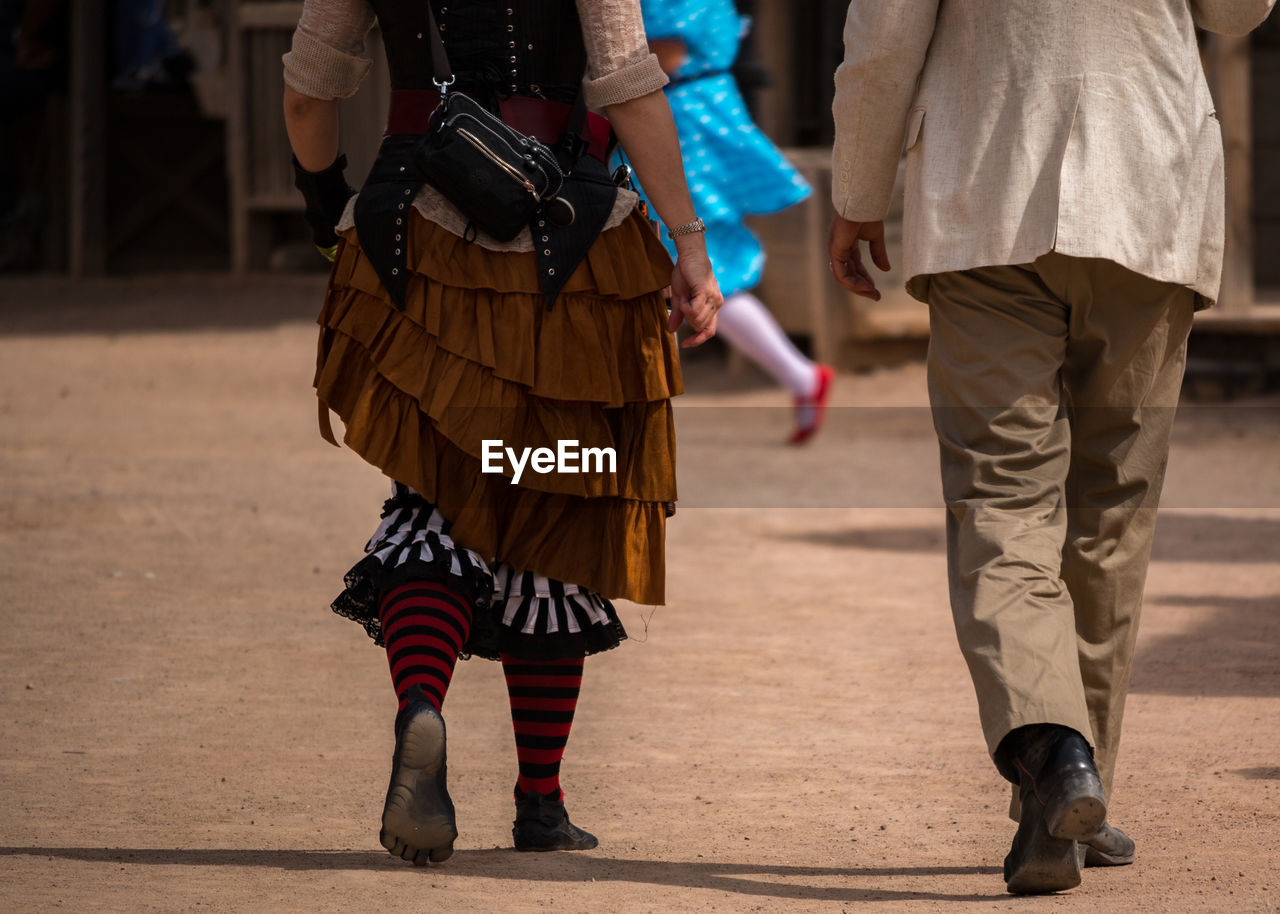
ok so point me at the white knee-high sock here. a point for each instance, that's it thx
(747, 325)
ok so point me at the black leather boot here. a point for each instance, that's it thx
(542, 824)
(418, 822)
(1109, 847)
(1062, 802)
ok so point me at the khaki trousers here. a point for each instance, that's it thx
(1053, 387)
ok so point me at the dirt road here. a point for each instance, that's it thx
(184, 726)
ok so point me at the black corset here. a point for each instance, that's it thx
(496, 49)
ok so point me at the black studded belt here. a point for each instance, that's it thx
(560, 239)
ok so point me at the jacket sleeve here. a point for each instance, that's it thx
(328, 59)
(1230, 17)
(619, 64)
(884, 53)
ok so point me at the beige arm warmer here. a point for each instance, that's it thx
(619, 64)
(328, 59)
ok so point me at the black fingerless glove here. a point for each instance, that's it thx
(326, 194)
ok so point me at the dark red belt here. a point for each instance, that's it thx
(544, 120)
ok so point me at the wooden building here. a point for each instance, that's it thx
(797, 43)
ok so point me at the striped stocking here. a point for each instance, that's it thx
(424, 625)
(544, 695)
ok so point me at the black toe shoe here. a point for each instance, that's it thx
(418, 821)
(1062, 802)
(1109, 847)
(542, 824)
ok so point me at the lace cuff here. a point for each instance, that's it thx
(622, 85)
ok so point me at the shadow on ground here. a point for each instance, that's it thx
(1259, 774)
(761, 880)
(1237, 637)
(1196, 537)
(52, 306)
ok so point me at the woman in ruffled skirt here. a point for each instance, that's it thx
(437, 341)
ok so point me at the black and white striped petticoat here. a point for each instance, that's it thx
(513, 612)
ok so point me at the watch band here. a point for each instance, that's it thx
(689, 228)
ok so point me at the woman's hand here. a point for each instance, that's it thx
(648, 134)
(695, 295)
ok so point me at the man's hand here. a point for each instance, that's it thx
(846, 257)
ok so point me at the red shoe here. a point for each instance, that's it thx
(811, 410)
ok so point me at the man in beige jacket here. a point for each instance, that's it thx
(1064, 218)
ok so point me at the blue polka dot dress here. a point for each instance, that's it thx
(733, 169)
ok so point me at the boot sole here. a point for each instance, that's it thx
(417, 820)
(1091, 856)
(561, 846)
(1077, 809)
(1050, 865)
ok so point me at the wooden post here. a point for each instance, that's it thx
(1229, 74)
(773, 30)
(86, 144)
(823, 342)
(237, 140)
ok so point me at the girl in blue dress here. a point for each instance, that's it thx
(733, 171)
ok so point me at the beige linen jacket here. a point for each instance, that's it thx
(1079, 126)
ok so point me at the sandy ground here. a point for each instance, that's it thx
(184, 726)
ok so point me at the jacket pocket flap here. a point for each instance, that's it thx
(914, 121)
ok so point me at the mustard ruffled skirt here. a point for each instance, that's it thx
(477, 357)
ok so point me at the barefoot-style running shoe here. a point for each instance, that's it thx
(811, 410)
(418, 821)
(542, 824)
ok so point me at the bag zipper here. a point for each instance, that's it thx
(545, 157)
(497, 160)
(483, 119)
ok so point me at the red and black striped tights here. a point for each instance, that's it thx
(425, 625)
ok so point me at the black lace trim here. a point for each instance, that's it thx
(369, 577)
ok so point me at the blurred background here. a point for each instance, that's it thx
(145, 136)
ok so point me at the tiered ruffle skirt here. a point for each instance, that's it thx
(477, 356)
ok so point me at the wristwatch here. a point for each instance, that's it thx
(689, 228)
